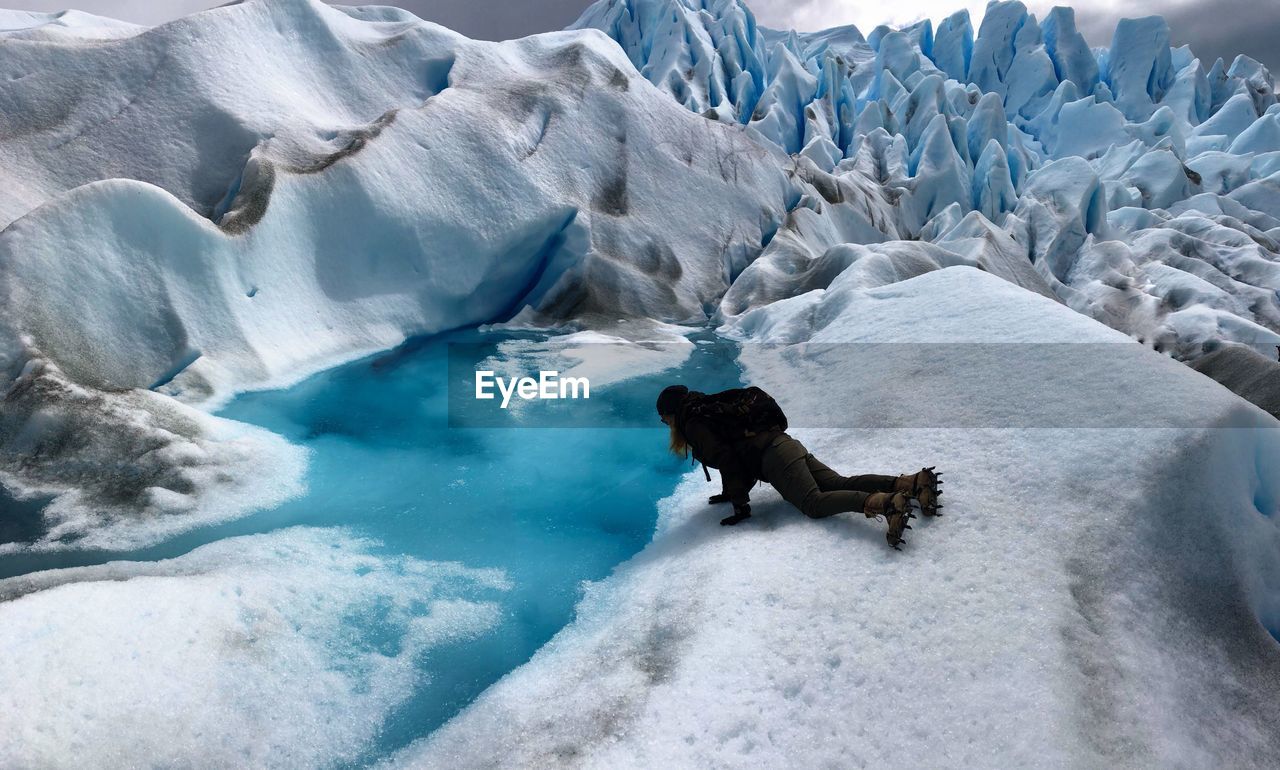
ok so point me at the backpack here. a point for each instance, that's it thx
(737, 414)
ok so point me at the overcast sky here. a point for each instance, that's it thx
(1213, 27)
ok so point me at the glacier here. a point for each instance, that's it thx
(205, 221)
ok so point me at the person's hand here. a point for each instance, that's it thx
(740, 514)
(717, 499)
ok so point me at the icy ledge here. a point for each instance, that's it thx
(1092, 597)
(127, 469)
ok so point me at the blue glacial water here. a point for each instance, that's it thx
(550, 506)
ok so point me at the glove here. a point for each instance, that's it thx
(717, 499)
(740, 514)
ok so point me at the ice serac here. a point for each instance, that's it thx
(1138, 65)
(995, 47)
(984, 125)
(704, 61)
(1231, 120)
(953, 45)
(1032, 78)
(1250, 76)
(1061, 208)
(939, 176)
(779, 115)
(993, 191)
(1072, 57)
(1143, 590)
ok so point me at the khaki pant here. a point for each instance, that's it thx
(815, 489)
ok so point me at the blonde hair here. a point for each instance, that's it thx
(679, 446)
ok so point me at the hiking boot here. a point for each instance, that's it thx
(895, 507)
(923, 487)
(740, 514)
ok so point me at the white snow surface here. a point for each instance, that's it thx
(1091, 597)
(240, 653)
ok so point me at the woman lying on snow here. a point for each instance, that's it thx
(742, 432)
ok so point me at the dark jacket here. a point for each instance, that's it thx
(737, 461)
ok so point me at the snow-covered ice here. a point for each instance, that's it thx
(1092, 597)
(128, 469)
(259, 192)
(288, 649)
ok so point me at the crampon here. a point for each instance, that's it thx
(895, 507)
(928, 489)
(897, 526)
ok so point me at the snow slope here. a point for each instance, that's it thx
(1248, 374)
(1092, 597)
